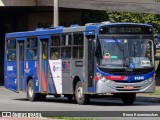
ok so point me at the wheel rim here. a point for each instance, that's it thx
(80, 93)
(30, 91)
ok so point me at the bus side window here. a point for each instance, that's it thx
(66, 52)
(11, 49)
(55, 53)
(66, 46)
(55, 47)
(55, 41)
(11, 44)
(31, 54)
(78, 45)
(11, 55)
(31, 45)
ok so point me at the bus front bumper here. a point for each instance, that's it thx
(108, 86)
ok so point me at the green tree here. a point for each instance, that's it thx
(136, 18)
(92, 16)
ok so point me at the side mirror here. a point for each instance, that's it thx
(156, 41)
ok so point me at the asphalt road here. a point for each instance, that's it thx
(11, 101)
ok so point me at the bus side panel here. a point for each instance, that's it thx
(55, 81)
(76, 71)
(31, 67)
(10, 75)
(66, 77)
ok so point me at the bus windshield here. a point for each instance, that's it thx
(125, 53)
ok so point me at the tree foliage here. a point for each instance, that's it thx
(90, 16)
(136, 18)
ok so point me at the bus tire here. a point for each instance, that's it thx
(128, 98)
(31, 95)
(79, 96)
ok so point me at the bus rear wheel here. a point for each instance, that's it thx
(128, 98)
(80, 97)
(31, 95)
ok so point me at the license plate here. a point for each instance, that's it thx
(128, 87)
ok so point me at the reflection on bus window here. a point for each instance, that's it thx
(78, 52)
(66, 52)
(55, 41)
(66, 40)
(32, 43)
(44, 50)
(11, 55)
(31, 54)
(78, 39)
(55, 53)
(31, 48)
(11, 44)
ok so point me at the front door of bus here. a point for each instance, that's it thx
(20, 65)
(43, 62)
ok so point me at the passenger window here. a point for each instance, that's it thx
(66, 46)
(11, 55)
(54, 53)
(78, 45)
(55, 47)
(31, 45)
(66, 40)
(78, 52)
(44, 50)
(11, 50)
(66, 52)
(78, 39)
(11, 44)
(55, 41)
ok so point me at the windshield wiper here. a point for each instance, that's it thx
(118, 44)
(126, 60)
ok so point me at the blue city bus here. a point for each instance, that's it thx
(80, 62)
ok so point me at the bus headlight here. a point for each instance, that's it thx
(149, 80)
(100, 76)
(103, 79)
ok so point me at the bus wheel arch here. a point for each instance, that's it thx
(78, 92)
(31, 95)
(75, 81)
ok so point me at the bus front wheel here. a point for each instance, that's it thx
(80, 97)
(128, 98)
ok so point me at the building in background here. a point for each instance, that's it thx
(24, 15)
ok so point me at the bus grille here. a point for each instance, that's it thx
(126, 81)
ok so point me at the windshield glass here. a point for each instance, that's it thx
(125, 53)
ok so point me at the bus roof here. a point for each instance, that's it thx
(59, 30)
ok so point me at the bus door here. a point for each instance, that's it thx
(20, 64)
(43, 63)
(91, 58)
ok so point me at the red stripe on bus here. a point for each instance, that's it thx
(111, 78)
(96, 78)
(115, 77)
(44, 83)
